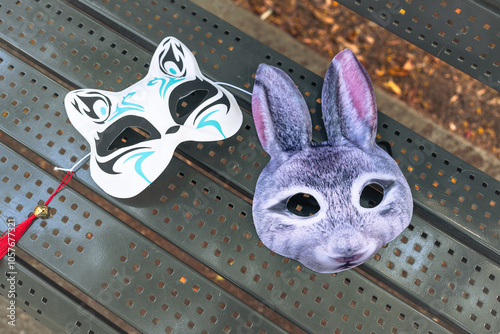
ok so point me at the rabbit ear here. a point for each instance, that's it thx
(348, 102)
(280, 113)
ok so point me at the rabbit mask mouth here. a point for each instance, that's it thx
(133, 133)
(336, 260)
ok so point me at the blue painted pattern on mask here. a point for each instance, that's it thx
(138, 163)
(210, 122)
(164, 84)
(124, 106)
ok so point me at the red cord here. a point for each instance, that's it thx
(10, 238)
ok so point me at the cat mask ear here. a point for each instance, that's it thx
(133, 134)
(348, 102)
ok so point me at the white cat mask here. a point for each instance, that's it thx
(123, 168)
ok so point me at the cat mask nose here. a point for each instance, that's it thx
(133, 134)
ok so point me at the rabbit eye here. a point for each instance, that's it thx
(303, 205)
(371, 196)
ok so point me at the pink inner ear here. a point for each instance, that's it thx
(258, 119)
(357, 85)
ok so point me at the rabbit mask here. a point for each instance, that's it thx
(156, 107)
(343, 233)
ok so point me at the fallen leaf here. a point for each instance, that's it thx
(380, 72)
(481, 91)
(494, 101)
(352, 36)
(393, 87)
(334, 28)
(408, 65)
(266, 14)
(323, 17)
(491, 133)
(453, 127)
(397, 72)
(354, 48)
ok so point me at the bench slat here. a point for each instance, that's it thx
(46, 304)
(463, 33)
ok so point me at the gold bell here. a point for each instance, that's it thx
(42, 211)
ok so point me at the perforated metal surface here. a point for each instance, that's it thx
(241, 158)
(184, 213)
(449, 192)
(443, 273)
(153, 291)
(214, 225)
(47, 305)
(464, 33)
(115, 265)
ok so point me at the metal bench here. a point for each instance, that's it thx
(184, 257)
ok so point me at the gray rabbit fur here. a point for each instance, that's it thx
(343, 233)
